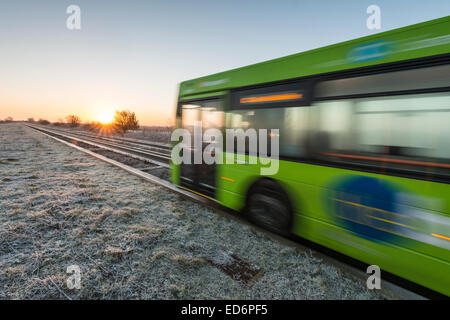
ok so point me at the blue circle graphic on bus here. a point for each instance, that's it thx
(366, 206)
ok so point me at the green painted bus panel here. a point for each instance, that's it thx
(229, 193)
(231, 200)
(174, 173)
(313, 216)
(416, 41)
(203, 96)
(416, 267)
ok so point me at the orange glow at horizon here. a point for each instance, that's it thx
(53, 113)
(54, 106)
(104, 116)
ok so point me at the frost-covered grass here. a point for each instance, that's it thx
(132, 239)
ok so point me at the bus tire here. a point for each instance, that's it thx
(268, 206)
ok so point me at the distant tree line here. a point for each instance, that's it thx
(7, 119)
(124, 121)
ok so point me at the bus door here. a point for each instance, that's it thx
(205, 114)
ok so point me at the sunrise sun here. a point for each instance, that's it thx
(105, 117)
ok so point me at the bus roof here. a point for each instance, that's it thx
(415, 41)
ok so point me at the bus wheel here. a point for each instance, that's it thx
(269, 207)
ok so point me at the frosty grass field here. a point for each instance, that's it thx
(132, 239)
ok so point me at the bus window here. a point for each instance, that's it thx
(189, 114)
(414, 79)
(412, 126)
(209, 112)
(399, 132)
(292, 123)
(332, 126)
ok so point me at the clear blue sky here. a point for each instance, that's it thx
(132, 54)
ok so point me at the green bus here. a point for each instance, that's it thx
(364, 147)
